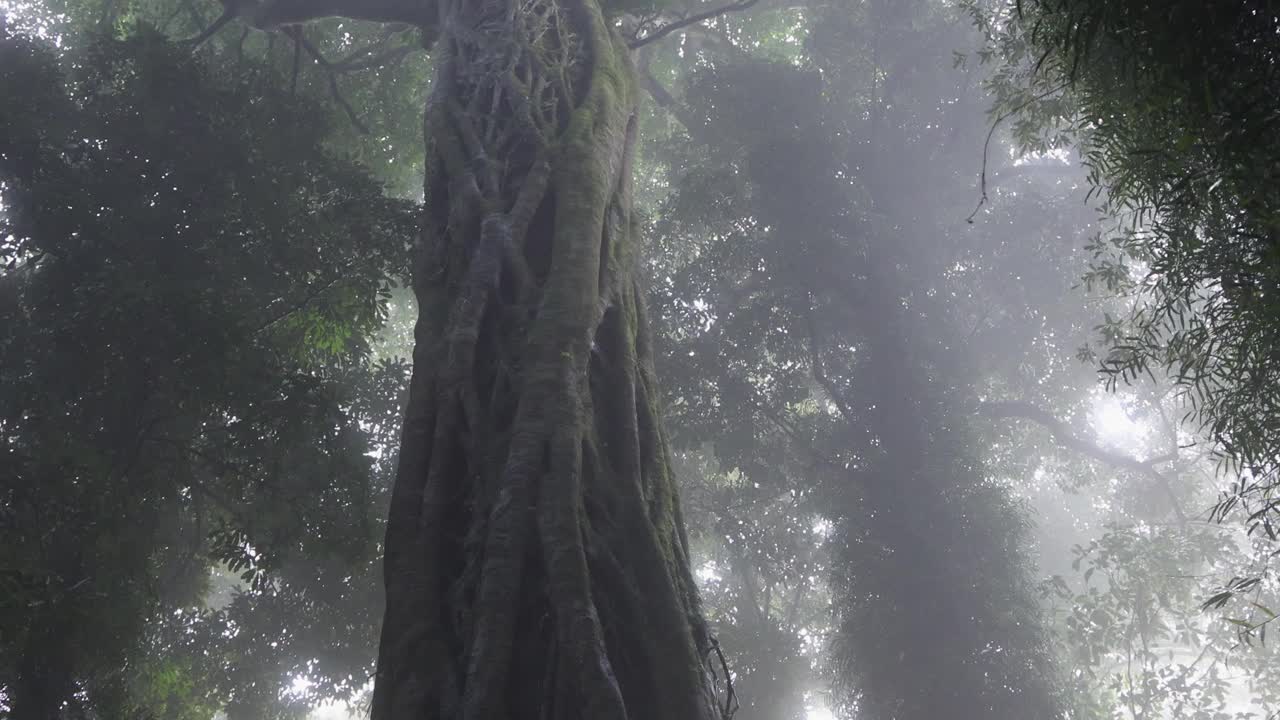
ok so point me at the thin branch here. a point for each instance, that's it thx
(693, 19)
(1067, 438)
(660, 94)
(226, 17)
(278, 13)
(168, 21)
(986, 146)
(297, 66)
(388, 32)
(295, 32)
(193, 13)
(731, 695)
(386, 57)
(314, 293)
(820, 373)
(244, 35)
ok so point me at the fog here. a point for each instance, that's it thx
(804, 360)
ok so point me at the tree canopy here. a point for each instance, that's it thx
(1180, 147)
(187, 311)
(637, 359)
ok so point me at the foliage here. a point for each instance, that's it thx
(808, 347)
(372, 79)
(868, 395)
(189, 283)
(1181, 146)
(1134, 628)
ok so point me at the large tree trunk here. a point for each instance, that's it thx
(536, 561)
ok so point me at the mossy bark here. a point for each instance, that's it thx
(536, 562)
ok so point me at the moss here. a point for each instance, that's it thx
(571, 508)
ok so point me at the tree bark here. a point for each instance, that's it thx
(536, 563)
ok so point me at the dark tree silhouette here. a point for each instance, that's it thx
(536, 562)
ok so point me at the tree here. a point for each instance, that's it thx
(1182, 149)
(825, 317)
(536, 562)
(190, 282)
(834, 340)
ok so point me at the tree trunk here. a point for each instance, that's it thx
(44, 675)
(536, 561)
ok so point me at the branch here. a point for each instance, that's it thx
(282, 13)
(693, 19)
(295, 32)
(1068, 439)
(667, 101)
(307, 299)
(387, 57)
(731, 696)
(229, 14)
(276, 13)
(297, 67)
(986, 146)
(820, 373)
(378, 53)
(660, 94)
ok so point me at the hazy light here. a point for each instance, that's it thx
(819, 712)
(1113, 425)
(299, 686)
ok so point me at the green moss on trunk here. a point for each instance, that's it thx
(536, 562)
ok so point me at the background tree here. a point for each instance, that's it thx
(186, 315)
(871, 398)
(534, 496)
(1180, 147)
(807, 326)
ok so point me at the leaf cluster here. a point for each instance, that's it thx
(190, 283)
(1181, 148)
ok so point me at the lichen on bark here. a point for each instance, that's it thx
(536, 562)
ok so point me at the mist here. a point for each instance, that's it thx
(695, 360)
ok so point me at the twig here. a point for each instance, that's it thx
(660, 94)
(731, 696)
(1067, 438)
(168, 21)
(669, 28)
(373, 48)
(311, 295)
(244, 35)
(297, 66)
(393, 55)
(228, 14)
(819, 370)
(295, 32)
(986, 146)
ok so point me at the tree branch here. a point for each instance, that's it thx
(387, 57)
(227, 16)
(295, 32)
(660, 94)
(276, 13)
(297, 67)
(389, 31)
(820, 373)
(1067, 438)
(693, 19)
(986, 146)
